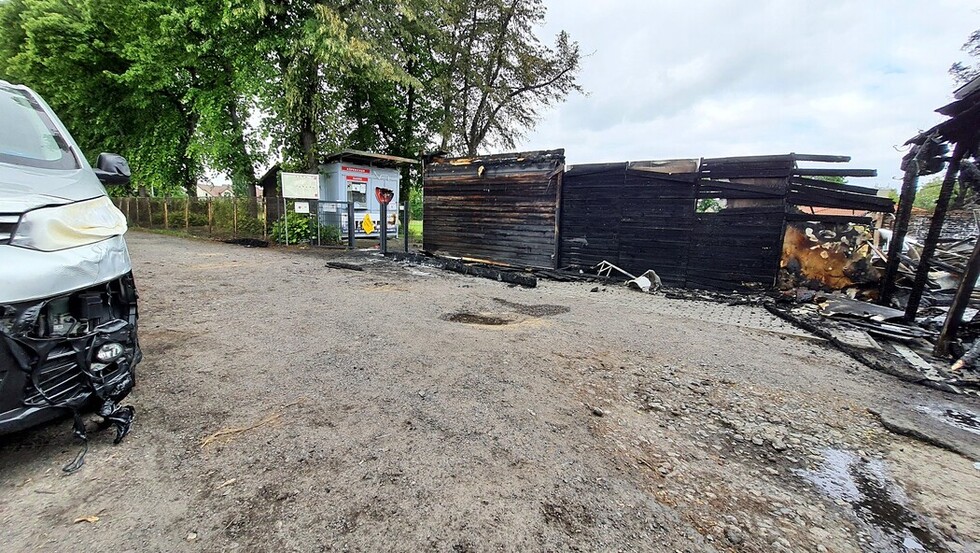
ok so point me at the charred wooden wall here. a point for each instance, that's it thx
(628, 215)
(501, 207)
(644, 215)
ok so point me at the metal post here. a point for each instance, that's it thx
(384, 228)
(407, 218)
(960, 302)
(285, 218)
(350, 225)
(187, 213)
(935, 230)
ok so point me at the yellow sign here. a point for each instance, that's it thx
(367, 224)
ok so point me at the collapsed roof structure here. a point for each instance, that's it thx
(928, 155)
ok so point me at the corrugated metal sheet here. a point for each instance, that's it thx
(501, 207)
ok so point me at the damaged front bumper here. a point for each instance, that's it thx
(68, 353)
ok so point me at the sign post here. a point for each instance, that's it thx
(384, 196)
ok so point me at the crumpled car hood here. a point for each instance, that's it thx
(25, 188)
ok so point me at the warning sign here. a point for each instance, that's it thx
(355, 169)
(368, 224)
(352, 178)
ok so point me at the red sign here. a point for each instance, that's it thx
(352, 178)
(355, 170)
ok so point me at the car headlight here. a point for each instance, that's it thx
(68, 226)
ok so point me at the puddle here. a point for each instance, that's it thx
(880, 505)
(543, 310)
(963, 420)
(475, 319)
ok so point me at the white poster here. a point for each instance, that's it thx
(302, 207)
(301, 185)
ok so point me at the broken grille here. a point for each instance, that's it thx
(59, 381)
(8, 223)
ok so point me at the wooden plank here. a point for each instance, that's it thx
(821, 172)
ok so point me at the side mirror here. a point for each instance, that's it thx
(112, 169)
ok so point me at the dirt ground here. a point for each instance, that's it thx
(376, 414)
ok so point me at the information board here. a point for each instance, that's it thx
(301, 185)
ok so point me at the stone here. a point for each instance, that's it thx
(734, 536)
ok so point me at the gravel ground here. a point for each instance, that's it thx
(374, 414)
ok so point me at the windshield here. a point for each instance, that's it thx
(28, 136)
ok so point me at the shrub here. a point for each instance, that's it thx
(297, 227)
(415, 204)
(249, 226)
(329, 234)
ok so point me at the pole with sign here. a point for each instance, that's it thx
(384, 196)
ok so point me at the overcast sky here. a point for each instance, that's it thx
(696, 78)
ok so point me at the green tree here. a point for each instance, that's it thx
(72, 53)
(495, 75)
(184, 86)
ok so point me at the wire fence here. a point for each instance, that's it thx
(320, 223)
(220, 218)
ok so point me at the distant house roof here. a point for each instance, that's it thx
(214, 190)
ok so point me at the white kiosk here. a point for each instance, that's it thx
(353, 176)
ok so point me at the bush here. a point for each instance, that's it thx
(302, 230)
(197, 219)
(299, 228)
(329, 234)
(415, 204)
(248, 226)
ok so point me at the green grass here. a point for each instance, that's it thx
(415, 231)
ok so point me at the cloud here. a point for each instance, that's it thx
(712, 78)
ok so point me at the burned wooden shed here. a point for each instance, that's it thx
(708, 223)
(499, 207)
(700, 223)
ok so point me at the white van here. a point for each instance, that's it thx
(67, 296)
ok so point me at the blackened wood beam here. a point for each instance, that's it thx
(935, 230)
(960, 301)
(900, 229)
(836, 172)
(821, 158)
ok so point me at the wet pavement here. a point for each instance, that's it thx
(879, 505)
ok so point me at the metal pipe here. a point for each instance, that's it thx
(350, 225)
(407, 218)
(935, 230)
(384, 228)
